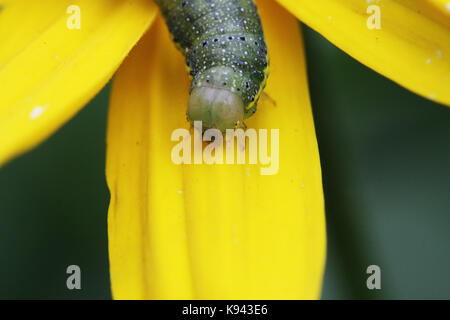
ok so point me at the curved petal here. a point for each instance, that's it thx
(213, 231)
(412, 47)
(48, 71)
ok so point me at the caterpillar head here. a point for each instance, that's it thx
(216, 108)
(215, 103)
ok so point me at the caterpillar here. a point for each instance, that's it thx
(226, 57)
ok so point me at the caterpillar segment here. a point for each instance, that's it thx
(226, 55)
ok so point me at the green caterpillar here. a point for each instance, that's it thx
(226, 56)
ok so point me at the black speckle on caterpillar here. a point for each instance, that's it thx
(226, 57)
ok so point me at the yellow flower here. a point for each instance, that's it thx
(202, 231)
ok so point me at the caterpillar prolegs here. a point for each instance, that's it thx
(226, 55)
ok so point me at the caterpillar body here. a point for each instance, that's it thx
(226, 56)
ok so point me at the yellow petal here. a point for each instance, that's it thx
(147, 242)
(48, 71)
(441, 5)
(213, 231)
(412, 47)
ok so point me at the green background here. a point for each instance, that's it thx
(386, 168)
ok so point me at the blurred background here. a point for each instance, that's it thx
(386, 168)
